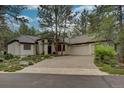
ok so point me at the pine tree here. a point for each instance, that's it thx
(81, 23)
(52, 18)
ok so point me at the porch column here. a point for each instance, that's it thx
(40, 47)
(45, 46)
(90, 49)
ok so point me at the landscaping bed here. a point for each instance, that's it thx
(105, 60)
(10, 63)
(109, 69)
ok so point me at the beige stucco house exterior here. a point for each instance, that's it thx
(31, 45)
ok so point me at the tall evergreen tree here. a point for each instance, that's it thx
(121, 35)
(8, 13)
(5, 35)
(23, 29)
(52, 17)
(81, 23)
(102, 22)
(33, 31)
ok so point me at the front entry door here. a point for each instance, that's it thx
(49, 49)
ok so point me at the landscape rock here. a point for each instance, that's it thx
(24, 63)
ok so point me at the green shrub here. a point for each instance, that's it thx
(2, 66)
(112, 70)
(8, 56)
(35, 58)
(12, 63)
(106, 68)
(98, 63)
(105, 50)
(13, 68)
(1, 60)
(104, 53)
(17, 57)
(1, 55)
(31, 63)
(105, 60)
(46, 56)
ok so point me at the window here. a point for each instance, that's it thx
(63, 47)
(60, 47)
(27, 47)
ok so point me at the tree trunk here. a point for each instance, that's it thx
(120, 17)
(85, 28)
(56, 37)
(63, 39)
(121, 48)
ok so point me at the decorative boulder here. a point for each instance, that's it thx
(24, 63)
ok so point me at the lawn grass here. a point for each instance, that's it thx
(109, 69)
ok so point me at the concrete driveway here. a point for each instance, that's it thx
(76, 65)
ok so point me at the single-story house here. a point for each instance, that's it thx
(32, 45)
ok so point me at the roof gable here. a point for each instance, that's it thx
(25, 39)
(78, 39)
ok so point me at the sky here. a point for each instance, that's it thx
(31, 14)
